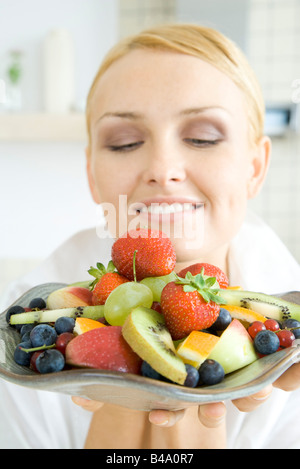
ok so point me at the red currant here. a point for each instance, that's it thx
(33, 359)
(256, 327)
(286, 338)
(63, 340)
(156, 306)
(272, 325)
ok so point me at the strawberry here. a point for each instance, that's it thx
(209, 270)
(106, 280)
(190, 304)
(154, 254)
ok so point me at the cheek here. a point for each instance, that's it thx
(224, 183)
(108, 179)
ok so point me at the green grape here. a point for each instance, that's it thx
(170, 277)
(157, 284)
(123, 299)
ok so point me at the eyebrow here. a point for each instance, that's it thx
(121, 115)
(199, 110)
(137, 116)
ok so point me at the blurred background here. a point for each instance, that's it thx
(44, 196)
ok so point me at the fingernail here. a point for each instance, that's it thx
(81, 401)
(163, 423)
(262, 395)
(215, 413)
(159, 420)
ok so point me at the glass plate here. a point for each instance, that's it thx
(132, 391)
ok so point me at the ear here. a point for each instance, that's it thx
(91, 180)
(259, 166)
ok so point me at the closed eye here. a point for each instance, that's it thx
(126, 147)
(196, 142)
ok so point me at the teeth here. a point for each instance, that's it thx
(168, 208)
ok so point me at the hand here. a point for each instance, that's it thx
(290, 380)
(210, 415)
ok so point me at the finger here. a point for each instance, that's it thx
(165, 418)
(212, 415)
(290, 380)
(249, 403)
(87, 404)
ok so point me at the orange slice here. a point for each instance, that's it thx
(197, 347)
(84, 325)
(244, 314)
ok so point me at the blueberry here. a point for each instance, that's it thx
(20, 356)
(149, 372)
(64, 324)
(26, 328)
(223, 320)
(292, 324)
(211, 372)
(266, 342)
(50, 361)
(26, 337)
(192, 378)
(37, 303)
(14, 310)
(43, 334)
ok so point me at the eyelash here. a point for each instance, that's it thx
(125, 148)
(201, 143)
(134, 145)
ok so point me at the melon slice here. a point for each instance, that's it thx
(196, 347)
(244, 314)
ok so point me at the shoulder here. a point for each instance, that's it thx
(260, 260)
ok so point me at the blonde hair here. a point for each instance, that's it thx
(202, 42)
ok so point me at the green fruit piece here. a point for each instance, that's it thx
(157, 284)
(123, 299)
(267, 305)
(145, 331)
(51, 315)
(169, 278)
(84, 284)
(235, 348)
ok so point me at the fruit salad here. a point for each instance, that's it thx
(139, 316)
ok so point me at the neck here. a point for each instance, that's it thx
(217, 258)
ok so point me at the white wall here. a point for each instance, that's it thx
(24, 24)
(44, 196)
(44, 199)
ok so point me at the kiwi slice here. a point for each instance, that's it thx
(145, 331)
(267, 305)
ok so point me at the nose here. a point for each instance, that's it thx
(165, 166)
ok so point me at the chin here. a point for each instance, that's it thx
(188, 251)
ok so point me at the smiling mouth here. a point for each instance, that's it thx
(166, 209)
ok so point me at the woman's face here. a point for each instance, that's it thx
(170, 134)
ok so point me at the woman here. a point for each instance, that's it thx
(175, 117)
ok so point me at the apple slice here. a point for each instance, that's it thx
(69, 297)
(235, 348)
(105, 349)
